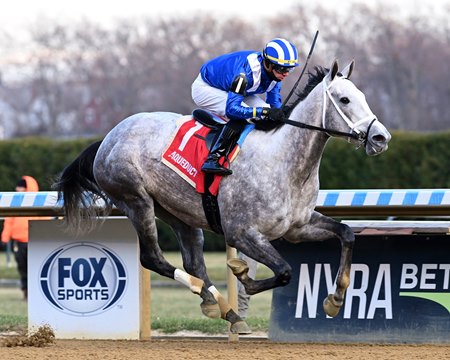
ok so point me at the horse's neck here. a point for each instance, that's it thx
(304, 147)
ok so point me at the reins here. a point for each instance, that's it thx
(328, 131)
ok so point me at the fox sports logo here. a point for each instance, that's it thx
(83, 279)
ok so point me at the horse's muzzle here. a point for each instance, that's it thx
(377, 139)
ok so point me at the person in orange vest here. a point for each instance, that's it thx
(15, 229)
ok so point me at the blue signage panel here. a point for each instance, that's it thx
(399, 292)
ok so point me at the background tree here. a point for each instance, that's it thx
(82, 78)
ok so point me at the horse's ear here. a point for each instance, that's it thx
(347, 72)
(334, 70)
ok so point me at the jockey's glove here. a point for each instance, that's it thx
(273, 114)
(287, 110)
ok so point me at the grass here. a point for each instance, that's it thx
(172, 308)
(8, 270)
(13, 310)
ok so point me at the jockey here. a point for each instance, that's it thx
(228, 86)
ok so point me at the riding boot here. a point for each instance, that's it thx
(222, 147)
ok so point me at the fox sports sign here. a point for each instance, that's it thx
(83, 279)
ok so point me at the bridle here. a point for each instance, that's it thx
(356, 134)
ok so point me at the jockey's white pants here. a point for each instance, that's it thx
(215, 100)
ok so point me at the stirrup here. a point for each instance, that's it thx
(213, 167)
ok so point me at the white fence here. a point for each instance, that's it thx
(383, 202)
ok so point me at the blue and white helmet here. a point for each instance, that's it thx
(281, 52)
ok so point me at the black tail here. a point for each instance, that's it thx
(78, 189)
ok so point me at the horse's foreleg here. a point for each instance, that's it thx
(323, 228)
(333, 302)
(260, 249)
(238, 326)
(209, 305)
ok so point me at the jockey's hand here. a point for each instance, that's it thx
(286, 109)
(273, 114)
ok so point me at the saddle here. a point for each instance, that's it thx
(188, 149)
(208, 119)
(211, 121)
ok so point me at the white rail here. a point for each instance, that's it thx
(383, 202)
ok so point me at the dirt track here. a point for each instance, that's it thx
(218, 349)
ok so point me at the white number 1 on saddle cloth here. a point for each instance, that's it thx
(186, 153)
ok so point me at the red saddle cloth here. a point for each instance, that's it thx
(187, 151)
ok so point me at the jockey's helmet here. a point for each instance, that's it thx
(281, 52)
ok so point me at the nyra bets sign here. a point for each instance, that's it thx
(83, 278)
(399, 291)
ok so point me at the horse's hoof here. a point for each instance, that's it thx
(330, 307)
(211, 310)
(241, 328)
(238, 266)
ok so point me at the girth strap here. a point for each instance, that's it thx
(211, 206)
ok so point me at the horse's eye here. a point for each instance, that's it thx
(344, 100)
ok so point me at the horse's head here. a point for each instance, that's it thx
(345, 109)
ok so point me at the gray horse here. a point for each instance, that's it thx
(271, 194)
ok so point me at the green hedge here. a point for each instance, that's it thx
(414, 160)
(41, 158)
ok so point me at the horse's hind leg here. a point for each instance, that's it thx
(142, 216)
(141, 212)
(191, 241)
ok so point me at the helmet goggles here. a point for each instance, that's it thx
(282, 69)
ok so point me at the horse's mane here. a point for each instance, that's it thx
(298, 95)
(313, 80)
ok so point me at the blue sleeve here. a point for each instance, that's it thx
(234, 109)
(273, 97)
